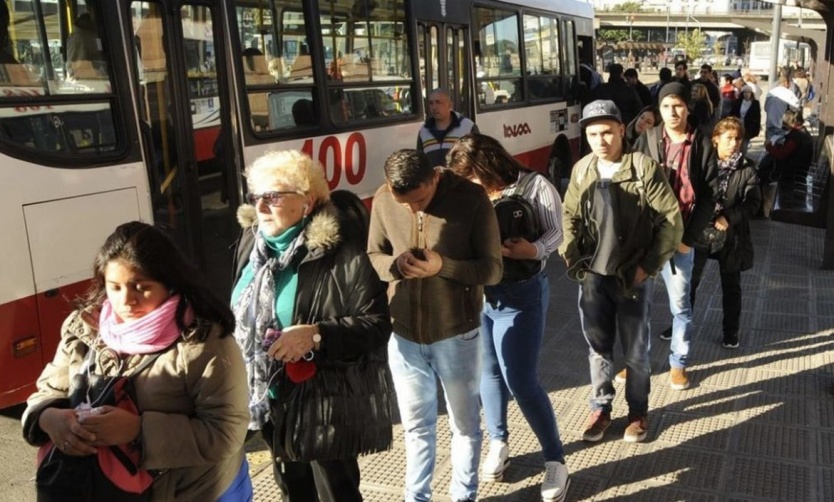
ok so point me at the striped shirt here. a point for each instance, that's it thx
(548, 206)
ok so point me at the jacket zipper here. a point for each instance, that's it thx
(418, 283)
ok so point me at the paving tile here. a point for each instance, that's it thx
(774, 441)
(694, 431)
(769, 480)
(681, 465)
(760, 407)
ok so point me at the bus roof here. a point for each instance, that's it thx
(576, 8)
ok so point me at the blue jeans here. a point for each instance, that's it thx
(415, 368)
(677, 286)
(512, 326)
(606, 313)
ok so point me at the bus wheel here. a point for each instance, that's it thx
(558, 171)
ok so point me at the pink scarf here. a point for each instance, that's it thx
(153, 332)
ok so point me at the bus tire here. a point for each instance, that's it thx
(559, 164)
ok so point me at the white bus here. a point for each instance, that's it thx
(150, 110)
(790, 54)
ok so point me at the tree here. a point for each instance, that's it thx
(628, 7)
(615, 36)
(692, 44)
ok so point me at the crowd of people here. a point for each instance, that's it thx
(333, 311)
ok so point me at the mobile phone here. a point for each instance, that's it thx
(418, 253)
(270, 337)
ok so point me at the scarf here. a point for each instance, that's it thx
(255, 312)
(726, 168)
(150, 333)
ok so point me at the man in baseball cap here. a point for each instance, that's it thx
(600, 109)
(611, 190)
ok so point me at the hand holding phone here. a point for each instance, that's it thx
(270, 337)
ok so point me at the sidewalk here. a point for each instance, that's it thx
(755, 425)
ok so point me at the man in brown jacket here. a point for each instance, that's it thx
(434, 238)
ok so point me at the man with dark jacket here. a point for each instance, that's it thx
(618, 91)
(687, 158)
(434, 238)
(621, 224)
(713, 91)
(665, 77)
(443, 127)
(632, 78)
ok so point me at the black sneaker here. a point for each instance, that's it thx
(730, 341)
(666, 334)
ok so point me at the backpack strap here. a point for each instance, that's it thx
(638, 160)
(581, 167)
(525, 180)
(654, 151)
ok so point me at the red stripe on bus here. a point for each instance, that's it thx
(40, 317)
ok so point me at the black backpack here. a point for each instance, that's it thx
(517, 218)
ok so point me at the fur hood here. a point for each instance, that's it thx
(322, 233)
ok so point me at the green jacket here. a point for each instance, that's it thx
(647, 218)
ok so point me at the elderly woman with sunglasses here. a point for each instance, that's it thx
(313, 326)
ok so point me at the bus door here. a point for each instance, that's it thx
(444, 62)
(183, 100)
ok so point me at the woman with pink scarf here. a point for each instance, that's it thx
(151, 318)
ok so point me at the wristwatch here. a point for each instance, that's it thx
(316, 340)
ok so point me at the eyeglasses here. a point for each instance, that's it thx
(270, 198)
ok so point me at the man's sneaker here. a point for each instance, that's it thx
(596, 425)
(556, 482)
(678, 379)
(621, 376)
(496, 461)
(730, 340)
(666, 334)
(638, 426)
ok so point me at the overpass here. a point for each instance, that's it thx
(743, 24)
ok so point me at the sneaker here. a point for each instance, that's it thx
(596, 425)
(730, 341)
(556, 482)
(496, 461)
(638, 426)
(666, 334)
(678, 379)
(621, 376)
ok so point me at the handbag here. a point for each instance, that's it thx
(113, 473)
(343, 412)
(711, 240)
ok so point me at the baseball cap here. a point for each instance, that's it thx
(601, 109)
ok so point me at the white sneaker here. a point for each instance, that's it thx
(556, 482)
(496, 461)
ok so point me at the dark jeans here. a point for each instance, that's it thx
(607, 313)
(325, 481)
(730, 292)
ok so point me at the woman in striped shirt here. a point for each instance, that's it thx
(512, 321)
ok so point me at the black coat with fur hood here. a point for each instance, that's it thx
(339, 291)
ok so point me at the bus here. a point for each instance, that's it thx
(119, 110)
(791, 53)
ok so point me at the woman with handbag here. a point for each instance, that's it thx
(313, 326)
(147, 389)
(515, 310)
(738, 197)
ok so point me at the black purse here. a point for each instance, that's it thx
(711, 240)
(342, 412)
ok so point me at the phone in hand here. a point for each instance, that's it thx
(418, 253)
(270, 337)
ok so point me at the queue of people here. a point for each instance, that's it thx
(333, 310)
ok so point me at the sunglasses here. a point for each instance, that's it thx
(270, 198)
